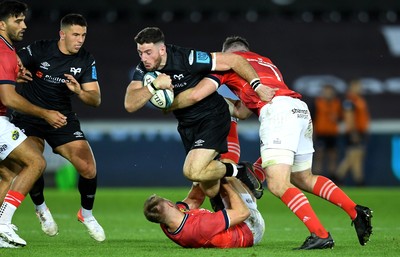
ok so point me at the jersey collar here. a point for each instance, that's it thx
(6, 42)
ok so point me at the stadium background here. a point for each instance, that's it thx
(312, 42)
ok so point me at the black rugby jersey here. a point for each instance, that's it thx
(187, 67)
(48, 65)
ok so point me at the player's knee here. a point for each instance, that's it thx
(86, 169)
(38, 164)
(191, 174)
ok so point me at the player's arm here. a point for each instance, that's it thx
(193, 95)
(89, 92)
(195, 197)
(237, 210)
(11, 99)
(238, 109)
(225, 61)
(136, 96)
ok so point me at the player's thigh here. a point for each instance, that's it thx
(80, 154)
(26, 154)
(198, 159)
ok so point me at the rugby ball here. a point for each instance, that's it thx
(163, 98)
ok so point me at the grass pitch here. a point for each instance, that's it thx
(130, 234)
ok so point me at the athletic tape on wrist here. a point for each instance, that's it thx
(151, 89)
(255, 83)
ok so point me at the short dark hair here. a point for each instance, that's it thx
(235, 41)
(153, 209)
(150, 35)
(12, 8)
(73, 19)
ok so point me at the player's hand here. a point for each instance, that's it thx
(73, 84)
(163, 81)
(55, 118)
(23, 75)
(266, 93)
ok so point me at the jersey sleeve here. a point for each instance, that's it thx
(90, 73)
(28, 54)
(8, 69)
(200, 62)
(138, 73)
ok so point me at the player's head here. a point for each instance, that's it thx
(235, 44)
(151, 48)
(328, 91)
(355, 87)
(154, 209)
(12, 20)
(73, 29)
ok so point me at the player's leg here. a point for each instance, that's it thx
(22, 152)
(233, 154)
(325, 188)
(204, 142)
(200, 166)
(6, 177)
(282, 124)
(35, 134)
(80, 155)
(258, 170)
(255, 221)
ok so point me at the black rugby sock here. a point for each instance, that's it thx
(87, 189)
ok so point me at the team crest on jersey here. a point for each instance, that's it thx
(75, 70)
(15, 135)
(179, 77)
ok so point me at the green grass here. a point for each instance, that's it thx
(129, 234)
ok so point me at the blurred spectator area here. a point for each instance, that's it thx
(194, 10)
(312, 42)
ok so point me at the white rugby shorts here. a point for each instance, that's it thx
(10, 137)
(285, 124)
(255, 221)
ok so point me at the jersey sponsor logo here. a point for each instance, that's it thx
(3, 148)
(54, 80)
(202, 57)
(179, 77)
(180, 85)
(94, 72)
(39, 74)
(302, 114)
(15, 135)
(75, 70)
(45, 65)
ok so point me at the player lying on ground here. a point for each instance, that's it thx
(240, 224)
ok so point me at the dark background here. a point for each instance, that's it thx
(339, 40)
(312, 43)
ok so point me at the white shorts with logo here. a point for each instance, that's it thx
(286, 124)
(255, 221)
(10, 137)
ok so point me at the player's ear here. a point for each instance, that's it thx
(2, 25)
(62, 34)
(162, 49)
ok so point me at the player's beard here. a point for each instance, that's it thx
(157, 64)
(17, 36)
